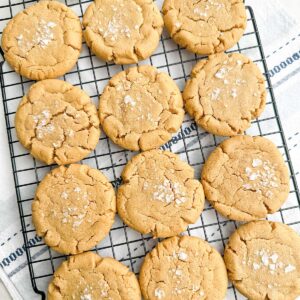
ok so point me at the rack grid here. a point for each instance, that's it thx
(191, 143)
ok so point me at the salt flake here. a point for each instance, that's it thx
(289, 268)
(129, 100)
(256, 162)
(215, 93)
(77, 223)
(274, 257)
(64, 195)
(177, 24)
(197, 11)
(182, 256)
(178, 272)
(247, 186)
(221, 73)
(159, 293)
(248, 170)
(77, 189)
(253, 176)
(86, 297)
(269, 194)
(265, 259)
(51, 24)
(272, 267)
(234, 93)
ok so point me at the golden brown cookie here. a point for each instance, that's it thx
(57, 122)
(74, 208)
(263, 261)
(205, 27)
(245, 178)
(88, 276)
(224, 93)
(123, 31)
(181, 268)
(140, 108)
(159, 194)
(43, 41)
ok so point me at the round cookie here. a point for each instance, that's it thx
(140, 108)
(57, 122)
(74, 208)
(123, 31)
(43, 41)
(205, 27)
(183, 268)
(159, 194)
(263, 261)
(89, 276)
(245, 178)
(224, 93)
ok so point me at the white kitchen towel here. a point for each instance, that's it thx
(280, 34)
(14, 293)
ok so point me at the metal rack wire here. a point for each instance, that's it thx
(191, 143)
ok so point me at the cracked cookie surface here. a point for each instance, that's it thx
(263, 261)
(205, 27)
(140, 108)
(224, 93)
(183, 268)
(123, 31)
(57, 122)
(43, 41)
(245, 178)
(74, 208)
(89, 276)
(159, 194)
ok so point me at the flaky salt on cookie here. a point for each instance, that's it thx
(74, 208)
(89, 276)
(123, 31)
(57, 122)
(159, 194)
(225, 93)
(205, 27)
(183, 268)
(43, 41)
(140, 108)
(263, 261)
(245, 178)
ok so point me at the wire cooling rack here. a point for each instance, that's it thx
(191, 143)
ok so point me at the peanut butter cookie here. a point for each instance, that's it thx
(123, 31)
(225, 93)
(140, 108)
(205, 27)
(245, 178)
(159, 194)
(88, 276)
(263, 261)
(57, 122)
(183, 268)
(43, 41)
(74, 208)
